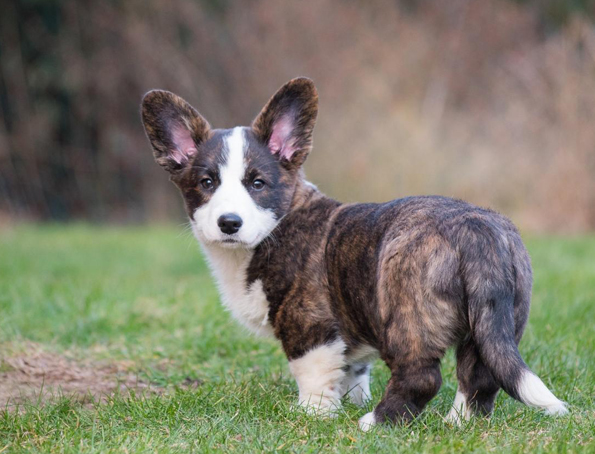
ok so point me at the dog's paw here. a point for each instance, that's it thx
(457, 416)
(321, 406)
(459, 412)
(367, 421)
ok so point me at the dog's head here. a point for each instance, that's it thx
(236, 183)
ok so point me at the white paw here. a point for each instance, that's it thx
(460, 411)
(367, 421)
(454, 417)
(321, 406)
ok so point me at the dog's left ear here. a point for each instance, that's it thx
(286, 123)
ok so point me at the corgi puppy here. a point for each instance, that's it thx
(341, 284)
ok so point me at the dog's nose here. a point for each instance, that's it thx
(229, 223)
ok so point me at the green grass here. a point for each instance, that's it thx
(144, 296)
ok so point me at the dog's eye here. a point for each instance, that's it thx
(258, 185)
(206, 183)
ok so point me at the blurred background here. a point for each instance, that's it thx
(492, 101)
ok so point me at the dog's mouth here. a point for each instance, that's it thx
(232, 243)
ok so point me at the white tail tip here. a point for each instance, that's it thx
(534, 393)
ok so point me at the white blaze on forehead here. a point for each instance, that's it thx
(232, 197)
(232, 172)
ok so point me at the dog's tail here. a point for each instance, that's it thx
(498, 279)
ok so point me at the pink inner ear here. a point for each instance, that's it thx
(280, 141)
(185, 146)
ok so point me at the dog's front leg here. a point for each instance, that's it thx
(320, 375)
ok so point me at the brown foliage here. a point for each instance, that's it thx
(458, 98)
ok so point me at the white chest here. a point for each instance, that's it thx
(248, 305)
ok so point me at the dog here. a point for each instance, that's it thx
(341, 284)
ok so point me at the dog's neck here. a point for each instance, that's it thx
(305, 193)
(230, 266)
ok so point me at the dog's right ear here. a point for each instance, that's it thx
(174, 128)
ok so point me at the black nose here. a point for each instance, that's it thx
(229, 223)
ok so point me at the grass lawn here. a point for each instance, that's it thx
(111, 303)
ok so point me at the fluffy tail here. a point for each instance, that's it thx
(492, 269)
(494, 336)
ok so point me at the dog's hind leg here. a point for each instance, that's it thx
(477, 387)
(411, 386)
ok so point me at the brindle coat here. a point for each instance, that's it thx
(409, 278)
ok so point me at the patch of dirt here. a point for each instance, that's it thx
(33, 375)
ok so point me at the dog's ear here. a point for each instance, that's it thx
(174, 128)
(286, 123)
